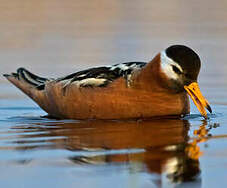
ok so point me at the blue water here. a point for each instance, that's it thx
(36, 151)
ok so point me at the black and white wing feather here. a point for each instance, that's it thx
(101, 76)
(30, 78)
(93, 77)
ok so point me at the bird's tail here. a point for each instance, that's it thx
(26, 81)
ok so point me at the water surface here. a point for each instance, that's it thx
(155, 153)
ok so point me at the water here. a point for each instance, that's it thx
(56, 38)
(37, 151)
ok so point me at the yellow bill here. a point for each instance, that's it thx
(197, 97)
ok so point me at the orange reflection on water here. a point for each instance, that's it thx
(154, 146)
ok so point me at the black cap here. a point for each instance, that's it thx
(188, 60)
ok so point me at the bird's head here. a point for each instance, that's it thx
(181, 66)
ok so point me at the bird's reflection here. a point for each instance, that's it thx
(157, 146)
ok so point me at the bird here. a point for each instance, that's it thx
(131, 90)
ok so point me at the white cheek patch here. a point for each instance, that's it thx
(166, 66)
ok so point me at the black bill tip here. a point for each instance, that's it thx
(209, 108)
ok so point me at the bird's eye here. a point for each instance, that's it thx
(176, 70)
